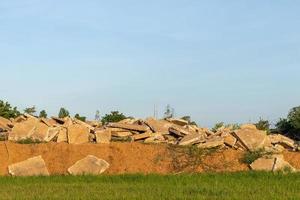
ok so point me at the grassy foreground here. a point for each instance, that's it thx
(231, 186)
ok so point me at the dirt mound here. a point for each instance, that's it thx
(123, 157)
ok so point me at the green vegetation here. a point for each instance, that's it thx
(263, 125)
(291, 125)
(217, 126)
(227, 186)
(43, 114)
(29, 141)
(63, 113)
(114, 116)
(30, 110)
(250, 156)
(81, 118)
(189, 119)
(7, 111)
(169, 112)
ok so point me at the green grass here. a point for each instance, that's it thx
(250, 185)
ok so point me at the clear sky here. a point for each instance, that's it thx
(231, 61)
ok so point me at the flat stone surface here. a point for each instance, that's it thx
(180, 122)
(142, 136)
(179, 131)
(121, 133)
(263, 164)
(212, 143)
(62, 135)
(23, 129)
(192, 138)
(78, 134)
(103, 136)
(282, 165)
(253, 139)
(89, 165)
(160, 126)
(230, 140)
(140, 128)
(31, 167)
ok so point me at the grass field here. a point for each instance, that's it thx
(250, 185)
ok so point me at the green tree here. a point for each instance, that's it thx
(43, 114)
(294, 117)
(114, 116)
(7, 111)
(81, 118)
(263, 125)
(283, 126)
(63, 113)
(30, 110)
(169, 112)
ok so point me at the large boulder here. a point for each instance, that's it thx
(193, 138)
(23, 130)
(78, 134)
(89, 165)
(272, 163)
(252, 139)
(35, 166)
(103, 136)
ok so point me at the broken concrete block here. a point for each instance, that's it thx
(121, 134)
(132, 127)
(23, 130)
(78, 134)
(263, 164)
(62, 135)
(103, 136)
(230, 140)
(181, 132)
(90, 165)
(142, 136)
(158, 126)
(193, 138)
(248, 126)
(212, 143)
(35, 166)
(281, 165)
(252, 139)
(179, 122)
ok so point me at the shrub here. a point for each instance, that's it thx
(7, 111)
(43, 114)
(250, 156)
(217, 126)
(81, 118)
(29, 141)
(114, 116)
(263, 125)
(63, 113)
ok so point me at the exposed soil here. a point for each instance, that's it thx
(129, 157)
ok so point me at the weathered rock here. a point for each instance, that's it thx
(252, 139)
(212, 143)
(89, 165)
(155, 138)
(121, 134)
(248, 126)
(193, 138)
(132, 127)
(284, 141)
(229, 140)
(103, 136)
(58, 120)
(142, 136)
(84, 124)
(35, 166)
(62, 135)
(23, 130)
(78, 134)
(263, 164)
(281, 165)
(179, 122)
(40, 132)
(181, 132)
(159, 126)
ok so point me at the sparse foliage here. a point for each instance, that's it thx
(97, 115)
(263, 125)
(250, 156)
(189, 120)
(7, 111)
(81, 118)
(30, 110)
(63, 113)
(217, 126)
(114, 116)
(43, 114)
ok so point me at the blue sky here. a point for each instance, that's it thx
(231, 61)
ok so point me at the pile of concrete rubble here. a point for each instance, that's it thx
(150, 130)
